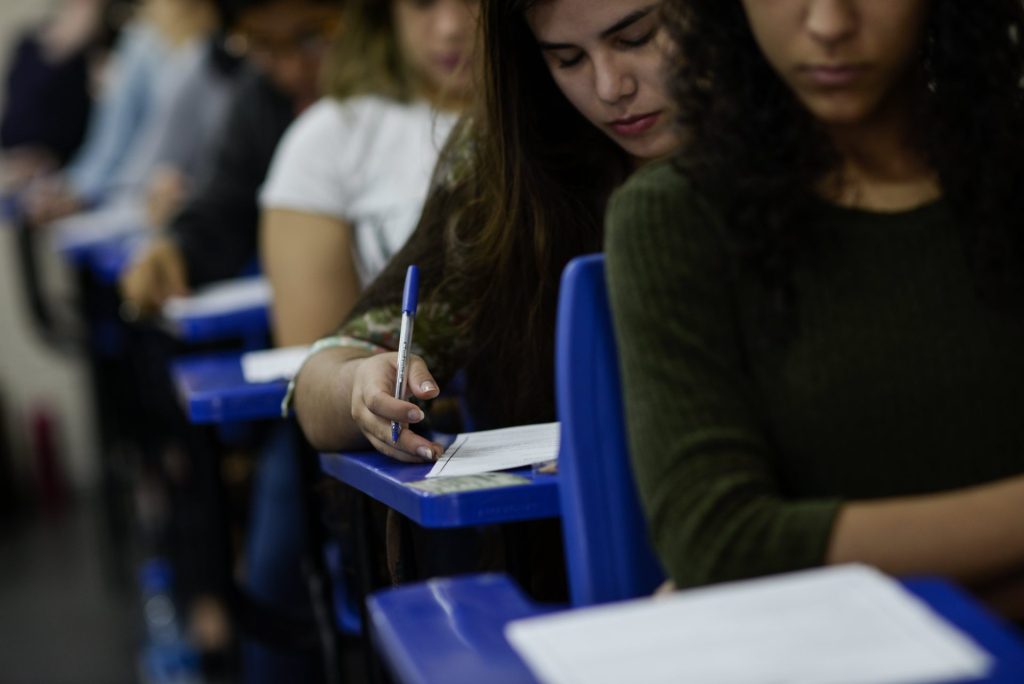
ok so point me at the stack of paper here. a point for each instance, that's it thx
(490, 450)
(239, 294)
(273, 364)
(840, 625)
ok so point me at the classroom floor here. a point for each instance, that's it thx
(64, 616)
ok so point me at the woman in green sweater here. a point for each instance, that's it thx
(819, 303)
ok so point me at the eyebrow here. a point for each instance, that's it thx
(625, 22)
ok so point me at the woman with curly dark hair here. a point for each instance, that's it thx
(819, 303)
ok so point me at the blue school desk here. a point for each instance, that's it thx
(387, 480)
(451, 630)
(10, 207)
(83, 254)
(213, 389)
(108, 260)
(252, 324)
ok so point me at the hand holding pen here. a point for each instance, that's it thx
(382, 383)
(410, 299)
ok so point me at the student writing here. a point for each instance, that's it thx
(214, 236)
(521, 190)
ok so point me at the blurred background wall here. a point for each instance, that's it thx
(34, 379)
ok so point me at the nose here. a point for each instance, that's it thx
(455, 19)
(612, 80)
(292, 73)
(831, 21)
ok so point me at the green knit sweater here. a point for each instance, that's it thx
(897, 380)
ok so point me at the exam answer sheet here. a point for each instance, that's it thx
(491, 450)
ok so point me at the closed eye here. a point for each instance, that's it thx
(569, 63)
(638, 42)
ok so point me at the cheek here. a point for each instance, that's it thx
(900, 39)
(652, 74)
(578, 90)
(413, 30)
(769, 30)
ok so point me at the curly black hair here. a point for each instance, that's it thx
(757, 152)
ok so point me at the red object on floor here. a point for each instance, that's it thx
(50, 478)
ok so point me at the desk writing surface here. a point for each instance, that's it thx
(465, 618)
(110, 260)
(451, 630)
(238, 307)
(387, 481)
(213, 390)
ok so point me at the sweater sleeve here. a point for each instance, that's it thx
(698, 447)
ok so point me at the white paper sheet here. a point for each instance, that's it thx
(490, 450)
(273, 364)
(92, 227)
(224, 297)
(840, 625)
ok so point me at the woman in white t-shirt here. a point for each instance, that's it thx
(350, 177)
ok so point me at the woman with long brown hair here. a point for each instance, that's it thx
(571, 101)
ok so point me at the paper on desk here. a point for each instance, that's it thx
(840, 625)
(99, 225)
(273, 364)
(490, 450)
(224, 297)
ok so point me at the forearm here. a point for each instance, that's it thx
(323, 396)
(974, 535)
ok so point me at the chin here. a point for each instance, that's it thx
(658, 147)
(843, 111)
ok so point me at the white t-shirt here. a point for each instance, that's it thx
(366, 160)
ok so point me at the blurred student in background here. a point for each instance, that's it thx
(166, 57)
(289, 45)
(214, 236)
(571, 100)
(344, 192)
(348, 183)
(818, 306)
(48, 90)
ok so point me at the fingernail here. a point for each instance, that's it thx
(425, 453)
(427, 387)
(415, 415)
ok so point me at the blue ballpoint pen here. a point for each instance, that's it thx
(409, 300)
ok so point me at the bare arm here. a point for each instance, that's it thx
(308, 259)
(974, 535)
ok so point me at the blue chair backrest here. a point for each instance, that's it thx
(608, 552)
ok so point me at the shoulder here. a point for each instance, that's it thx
(332, 126)
(315, 135)
(659, 207)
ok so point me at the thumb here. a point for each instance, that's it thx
(421, 383)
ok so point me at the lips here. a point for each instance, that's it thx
(635, 125)
(832, 76)
(450, 62)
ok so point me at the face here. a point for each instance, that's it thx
(608, 58)
(288, 41)
(846, 60)
(437, 38)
